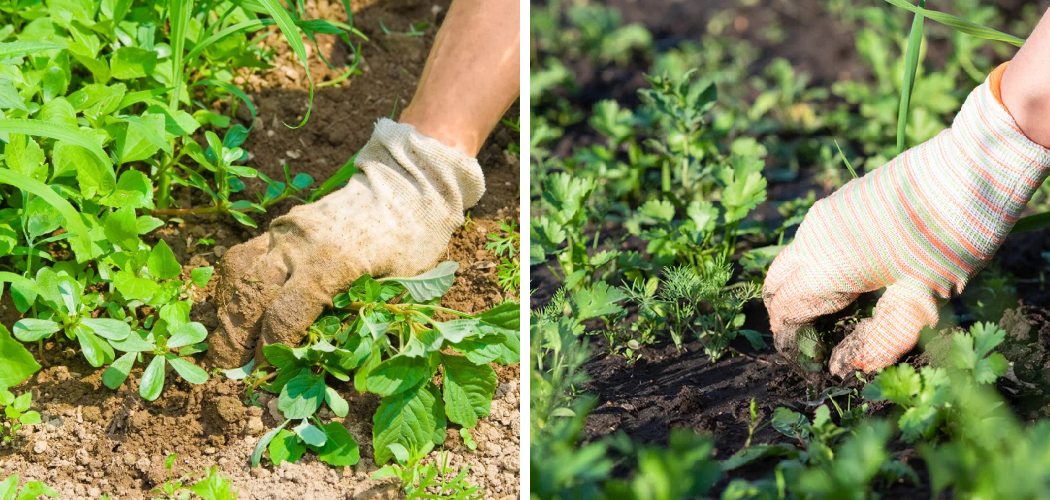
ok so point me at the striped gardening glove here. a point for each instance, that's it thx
(922, 226)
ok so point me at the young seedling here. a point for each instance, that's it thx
(432, 480)
(213, 487)
(17, 413)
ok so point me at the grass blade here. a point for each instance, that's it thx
(12, 48)
(959, 24)
(911, 65)
(846, 160)
(225, 32)
(179, 19)
(55, 131)
(291, 33)
(72, 221)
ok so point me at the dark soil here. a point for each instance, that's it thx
(668, 389)
(97, 441)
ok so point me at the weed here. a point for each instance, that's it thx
(32, 490)
(383, 335)
(212, 487)
(17, 413)
(504, 245)
(433, 480)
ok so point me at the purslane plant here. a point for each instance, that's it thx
(386, 337)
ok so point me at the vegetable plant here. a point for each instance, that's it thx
(212, 487)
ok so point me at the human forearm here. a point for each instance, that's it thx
(1026, 85)
(471, 76)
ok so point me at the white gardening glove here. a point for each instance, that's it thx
(394, 218)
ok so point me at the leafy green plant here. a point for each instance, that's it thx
(385, 336)
(676, 304)
(212, 487)
(101, 104)
(32, 490)
(432, 480)
(17, 413)
(972, 351)
(504, 245)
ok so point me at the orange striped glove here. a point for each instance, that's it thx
(921, 226)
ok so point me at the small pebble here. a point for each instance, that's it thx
(39, 447)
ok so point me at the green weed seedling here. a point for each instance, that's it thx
(17, 413)
(100, 104)
(675, 304)
(504, 245)
(432, 480)
(32, 490)
(384, 336)
(213, 487)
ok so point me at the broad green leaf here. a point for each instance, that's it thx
(93, 176)
(32, 329)
(9, 98)
(431, 284)
(41, 218)
(141, 138)
(468, 389)
(188, 334)
(97, 351)
(135, 288)
(152, 382)
(133, 343)
(285, 447)
(406, 419)
(310, 435)
(506, 316)
(16, 363)
(240, 373)
(112, 329)
(121, 228)
(187, 370)
(340, 448)
(301, 396)
(133, 190)
(23, 155)
(117, 373)
(200, 276)
(261, 446)
(215, 486)
(456, 330)
(398, 374)
(128, 63)
(336, 402)
(162, 263)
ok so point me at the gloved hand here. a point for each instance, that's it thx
(394, 218)
(922, 226)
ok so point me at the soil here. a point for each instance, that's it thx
(94, 441)
(669, 389)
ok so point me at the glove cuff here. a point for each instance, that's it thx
(986, 135)
(456, 177)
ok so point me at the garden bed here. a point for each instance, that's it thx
(654, 389)
(94, 441)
